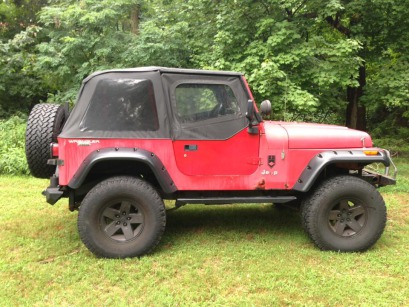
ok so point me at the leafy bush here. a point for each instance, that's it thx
(398, 147)
(12, 152)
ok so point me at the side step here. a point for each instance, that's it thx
(234, 200)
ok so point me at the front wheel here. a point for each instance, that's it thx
(344, 213)
(121, 217)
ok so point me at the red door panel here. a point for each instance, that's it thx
(238, 155)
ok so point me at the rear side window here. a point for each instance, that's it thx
(121, 105)
(197, 102)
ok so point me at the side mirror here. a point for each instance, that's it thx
(265, 108)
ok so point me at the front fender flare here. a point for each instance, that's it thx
(325, 158)
(124, 154)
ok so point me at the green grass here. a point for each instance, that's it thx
(209, 255)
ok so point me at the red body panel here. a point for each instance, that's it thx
(236, 156)
(77, 151)
(244, 162)
(303, 135)
(250, 173)
(274, 159)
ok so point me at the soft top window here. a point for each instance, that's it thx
(121, 105)
(196, 102)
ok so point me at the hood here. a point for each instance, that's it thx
(318, 136)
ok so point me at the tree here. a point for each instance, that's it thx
(307, 56)
(95, 35)
(339, 61)
(382, 29)
(17, 15)
(19, 86)
(298, 61)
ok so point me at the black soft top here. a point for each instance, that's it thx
(166, 70)
(135, 103)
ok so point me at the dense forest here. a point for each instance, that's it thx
(334, 61)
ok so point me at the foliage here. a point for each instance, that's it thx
(296, 62)
(383, 28)
(17, 15)
(209, 255)
(397, 147)
(19, 85)
(305, 56)
(12, 153)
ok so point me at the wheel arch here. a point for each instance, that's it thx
(110, 162)
(331, 159)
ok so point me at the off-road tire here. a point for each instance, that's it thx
(121, 217)
(345, 214)
(45, 123)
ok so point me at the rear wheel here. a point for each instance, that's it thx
(44, 125)
(345, 214)
(121, 217)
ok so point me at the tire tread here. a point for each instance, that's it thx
(112, 184)
(40, 133)
(311, 206)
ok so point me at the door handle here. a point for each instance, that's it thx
(190, 147)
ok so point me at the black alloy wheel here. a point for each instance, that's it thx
(344, 213)
(121, 217)
(122, 220)
(347, 217)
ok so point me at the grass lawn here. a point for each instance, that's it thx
(209, 255)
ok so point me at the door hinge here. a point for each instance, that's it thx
(283, 155)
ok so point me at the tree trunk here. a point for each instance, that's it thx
(135, 19)
(356, 114)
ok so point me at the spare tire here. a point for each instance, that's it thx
(45, 123)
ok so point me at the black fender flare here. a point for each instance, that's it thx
(124, 154)
(325, 158)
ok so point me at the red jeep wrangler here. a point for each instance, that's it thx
(138, 136)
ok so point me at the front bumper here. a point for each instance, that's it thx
(387, 178)
(387, 169)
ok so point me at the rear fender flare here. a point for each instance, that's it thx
(124, 154)
(325, 158)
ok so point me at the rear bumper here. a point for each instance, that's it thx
(53, 193)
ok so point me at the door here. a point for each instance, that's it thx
(210, 130)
